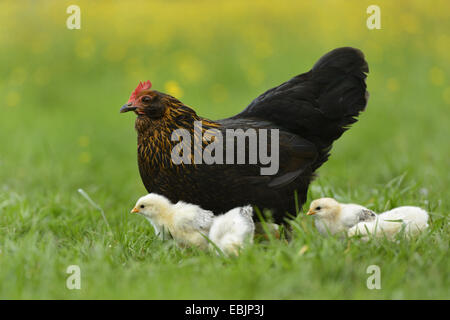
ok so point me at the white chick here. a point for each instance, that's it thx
(187, 223)
(412, 219)
(332, 217)
(233, 229)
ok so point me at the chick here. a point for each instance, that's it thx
(333, 217)
(187, 223)
(412, 220)
(233, 229)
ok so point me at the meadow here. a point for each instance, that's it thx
(60, 130)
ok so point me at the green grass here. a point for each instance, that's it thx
(60, 130)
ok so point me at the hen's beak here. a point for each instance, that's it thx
(127, 107)
(135, 210)
(310, 212)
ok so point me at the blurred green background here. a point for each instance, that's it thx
(60, 127)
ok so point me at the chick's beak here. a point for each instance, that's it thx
(135, 210)
(310, 212)
(127, 107)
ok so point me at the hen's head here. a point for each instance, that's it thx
(146, 102)
(155, 109)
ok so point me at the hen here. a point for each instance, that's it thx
(310, 111)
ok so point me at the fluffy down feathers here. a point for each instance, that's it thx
(332, 217)
(233, 229)
(187, 223)
(190, 225)
(412, 220)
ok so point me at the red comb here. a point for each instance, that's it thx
(141, 86)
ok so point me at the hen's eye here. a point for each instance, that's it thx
(146, 99)
(142, 206)
(318, 208)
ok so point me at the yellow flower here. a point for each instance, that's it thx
(173, 89)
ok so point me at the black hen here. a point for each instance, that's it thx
(311, 111)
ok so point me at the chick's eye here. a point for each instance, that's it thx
(142, 206)
(318, 208)
(146, 99)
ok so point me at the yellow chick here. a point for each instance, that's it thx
(187, 223)
(332, 217)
